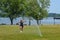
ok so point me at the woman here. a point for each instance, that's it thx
(21, 25)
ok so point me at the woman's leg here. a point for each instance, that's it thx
(22, 28)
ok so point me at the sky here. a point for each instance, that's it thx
(54, 6)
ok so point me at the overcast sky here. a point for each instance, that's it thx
(54, 6)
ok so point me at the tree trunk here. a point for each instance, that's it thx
(11, 19)
(29, 22)
(38, 22)
(54, 21)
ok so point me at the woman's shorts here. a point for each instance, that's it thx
(21, 26)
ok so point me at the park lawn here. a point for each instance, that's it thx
(12, 32)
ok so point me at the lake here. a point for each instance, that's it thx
(48, 20)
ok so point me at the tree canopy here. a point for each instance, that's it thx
(36, 9)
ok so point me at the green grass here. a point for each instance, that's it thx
(49, 32)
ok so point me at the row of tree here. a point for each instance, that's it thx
(36, 9)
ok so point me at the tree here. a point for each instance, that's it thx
(43, 5)
(28, 8)
(31, 8)
(36, 9)
(40, 15)
(13, 8)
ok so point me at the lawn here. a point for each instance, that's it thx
(12, 32)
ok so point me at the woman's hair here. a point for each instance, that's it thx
(21, 20)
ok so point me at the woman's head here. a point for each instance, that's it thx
(21, 20)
